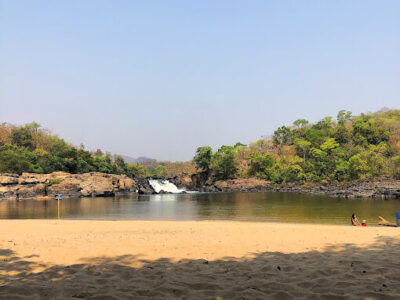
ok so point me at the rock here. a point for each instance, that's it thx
(30, 185)
(31, 190)
(98, 184)
(244, 184)
(8, 192)
(143, 186)
(126, 184)
(7, 179)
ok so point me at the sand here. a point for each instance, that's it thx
(196, 260)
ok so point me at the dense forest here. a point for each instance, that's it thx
(30, 148)
(348, 147)
(330, 150)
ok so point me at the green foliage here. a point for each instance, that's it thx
(396, 166)
(55, 181)
(135, 170)
(22, 137)
(223, 163)
(282, 135)
(203, 157)
(14, 160)
(261, 165)
(366, 131)
(300, 123)
(315, 136)
(346, 149)
(302, 147)
(31, 149)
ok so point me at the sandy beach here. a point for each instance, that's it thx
(196, 259)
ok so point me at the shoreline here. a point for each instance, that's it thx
(46, 186)
(373, 225)
(19, 230)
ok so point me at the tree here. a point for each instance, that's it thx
(282, 135)
(315, 136)
(22, 137)
(300, 123)
(135, 170)
(366, 131)
(33, 127)
(396, 166)
(324, 124)
(239, 145)
(302, 147)
(120, 165)
(261, 166)
(203, 157)
(344, 116)
(98, 153)
(224, 162)
(14, 161)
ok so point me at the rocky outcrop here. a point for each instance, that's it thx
(45, 186)
(374, 187)
(193, 182)
(143, 186)
(29, 185)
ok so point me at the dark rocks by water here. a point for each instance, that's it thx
(376, 187)
(29, 185)
(143, 186)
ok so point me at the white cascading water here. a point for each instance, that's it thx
(165, 185)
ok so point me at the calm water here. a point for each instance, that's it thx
(278, 207)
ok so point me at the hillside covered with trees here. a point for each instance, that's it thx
(30, 148)
(346, 148)
(330, 150)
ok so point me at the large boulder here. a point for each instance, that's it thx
(30, 185)
(30, 190)
(68, 186)
(143, 186)
(126, 184)
(99, 184)
(8, 191)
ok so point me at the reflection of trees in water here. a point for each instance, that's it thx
(28, 209)
(269, 206)
(290, 207)
(214, 206)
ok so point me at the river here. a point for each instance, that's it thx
(268, 206)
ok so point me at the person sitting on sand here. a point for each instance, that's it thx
(354, 220)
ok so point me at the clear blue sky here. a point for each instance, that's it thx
(160, 78)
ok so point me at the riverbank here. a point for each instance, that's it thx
(379, 187)
(46, 186)
(207, 259)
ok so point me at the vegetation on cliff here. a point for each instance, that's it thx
(330, 150)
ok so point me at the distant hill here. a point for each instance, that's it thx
(131, 160)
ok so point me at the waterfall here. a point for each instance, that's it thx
(165, 185)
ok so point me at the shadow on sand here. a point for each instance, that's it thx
(338, 272)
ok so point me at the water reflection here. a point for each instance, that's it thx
(280, 207)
